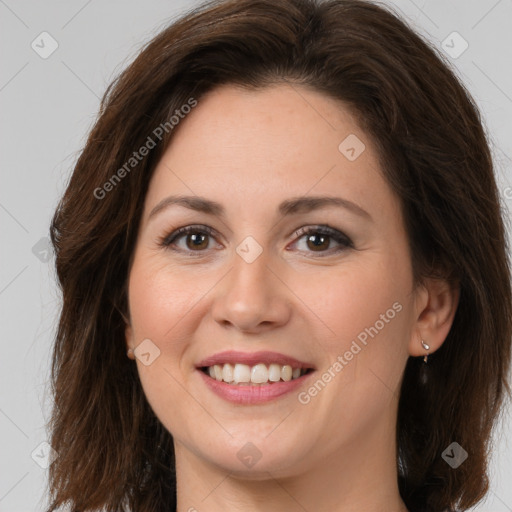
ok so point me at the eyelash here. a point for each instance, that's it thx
(339, 237)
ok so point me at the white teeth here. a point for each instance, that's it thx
(274, 373)
(257, 374)
(286, 373)
(227, 373)
(242, 373)
(218, 372)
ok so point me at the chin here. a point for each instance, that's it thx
(256, 456)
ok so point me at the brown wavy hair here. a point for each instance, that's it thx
(113, 453)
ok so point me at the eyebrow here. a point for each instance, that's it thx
(288, 207)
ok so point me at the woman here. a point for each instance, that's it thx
(286, 217)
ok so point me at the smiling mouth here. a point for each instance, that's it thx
(257, 375)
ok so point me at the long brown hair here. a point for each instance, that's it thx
(113, 453)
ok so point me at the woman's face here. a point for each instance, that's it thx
(296, 262)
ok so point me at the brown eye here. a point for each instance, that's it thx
(196, 239)
(318, 239)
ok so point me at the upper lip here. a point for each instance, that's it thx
(252, 358)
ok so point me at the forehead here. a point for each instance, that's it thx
(281, 120)
(262, 145)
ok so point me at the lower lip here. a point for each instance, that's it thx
(248, 394)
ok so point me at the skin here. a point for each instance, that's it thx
(249, 151)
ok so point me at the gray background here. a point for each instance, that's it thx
(48, 105)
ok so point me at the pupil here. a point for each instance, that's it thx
(197, 240)
(320, 237)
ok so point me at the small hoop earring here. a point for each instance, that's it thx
(427, 348)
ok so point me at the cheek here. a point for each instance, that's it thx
(160, 297)
(161, 301)
(352, 298)
(365, 307)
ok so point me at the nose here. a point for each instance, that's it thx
(252, 297)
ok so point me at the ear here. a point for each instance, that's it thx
(436, 304)
(128, 330)
(128, 335)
